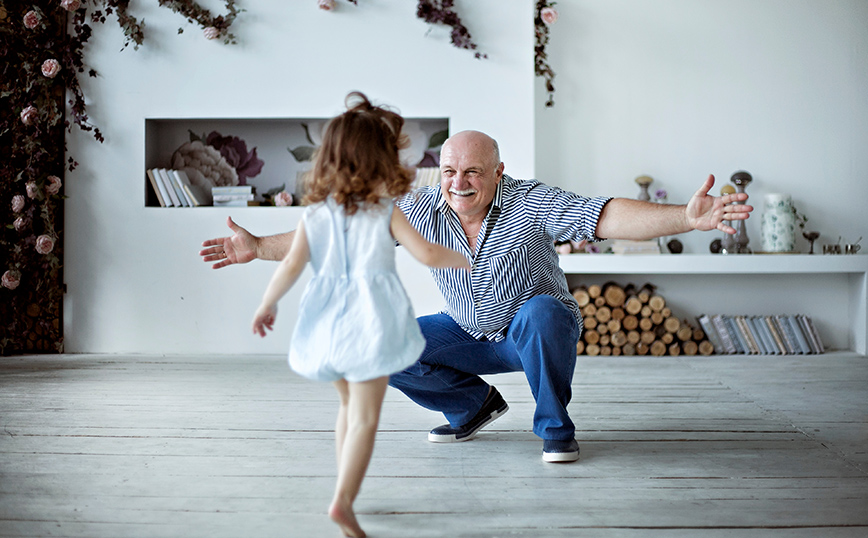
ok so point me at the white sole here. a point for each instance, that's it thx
(560, 457)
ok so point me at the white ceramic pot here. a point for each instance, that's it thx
(778, 224)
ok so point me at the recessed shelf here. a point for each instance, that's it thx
(272, 138)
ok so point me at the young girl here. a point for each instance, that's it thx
(356, 325)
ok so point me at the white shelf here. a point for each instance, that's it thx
(712, 264)
(833, 286)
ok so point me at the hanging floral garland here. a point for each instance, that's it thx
(42, 63)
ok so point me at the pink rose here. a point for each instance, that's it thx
(50, 68)
(19, 224)
(211, 33)
(283, 199)
(29, 115)
(31, 19)
(326, 5)
(54, 185)
(17, 203)
(549, 15)
(70, 5)
(32, 190)
(11, 279)
(44, 244)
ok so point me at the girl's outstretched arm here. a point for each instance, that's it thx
(431, 254)
(285, 276)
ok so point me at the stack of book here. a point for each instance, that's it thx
(426, 176)
(622, 246)
(762, 335)
(237, 196)
(172, 188)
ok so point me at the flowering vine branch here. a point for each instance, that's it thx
(546, 15)
(442, 12)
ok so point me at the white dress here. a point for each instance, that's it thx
(355, 320)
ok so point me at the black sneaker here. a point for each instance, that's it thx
(560, 451)
(493, 407)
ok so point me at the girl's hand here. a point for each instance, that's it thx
(264, 319)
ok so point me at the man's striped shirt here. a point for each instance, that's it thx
(515, 256)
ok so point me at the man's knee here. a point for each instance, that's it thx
(547, 316)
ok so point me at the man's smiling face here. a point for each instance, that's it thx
(470, 169)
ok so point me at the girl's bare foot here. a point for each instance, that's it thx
(344, 516)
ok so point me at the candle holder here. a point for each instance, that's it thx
(644, 182)
(727, 244)
(741, 179)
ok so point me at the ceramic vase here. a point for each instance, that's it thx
(778, 224)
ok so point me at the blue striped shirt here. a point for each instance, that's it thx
(515, 256)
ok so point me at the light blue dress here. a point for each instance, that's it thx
(355, 320)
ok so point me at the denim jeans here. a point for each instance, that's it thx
(541, 341)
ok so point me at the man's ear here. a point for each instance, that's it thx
(500, 168)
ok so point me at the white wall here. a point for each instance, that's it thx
(135, 281)
(679, 89)
(675, 89)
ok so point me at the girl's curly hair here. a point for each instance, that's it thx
(358, 159)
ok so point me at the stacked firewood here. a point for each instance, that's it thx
(634, 321)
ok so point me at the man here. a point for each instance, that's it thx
(513, 311)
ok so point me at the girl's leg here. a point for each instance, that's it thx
(362, 419)
(341, 423)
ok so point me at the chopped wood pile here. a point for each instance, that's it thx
(634, 321)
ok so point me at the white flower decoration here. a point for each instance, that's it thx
(204, 165)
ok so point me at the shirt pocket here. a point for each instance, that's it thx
(510, 274)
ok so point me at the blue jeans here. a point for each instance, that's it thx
(541, 341)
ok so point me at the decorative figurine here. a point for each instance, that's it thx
(644, 182)
(741, 179)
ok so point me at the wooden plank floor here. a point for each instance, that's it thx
(142, 446)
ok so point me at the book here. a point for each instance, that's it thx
(170, 188)
(799, 335)
(232, 203)
(737, 340)
(195, 195)
(815, 334)
(747, 335)
(710, 333)
(755, 335)
(235, 189)
(426, 176)
(179, 188)
(157, 186)
(725, 337)
(776, 335)
(785, 336)
(765, 336)
(231, 197)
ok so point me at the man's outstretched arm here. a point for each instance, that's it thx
(243, 247)
(624, 218)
